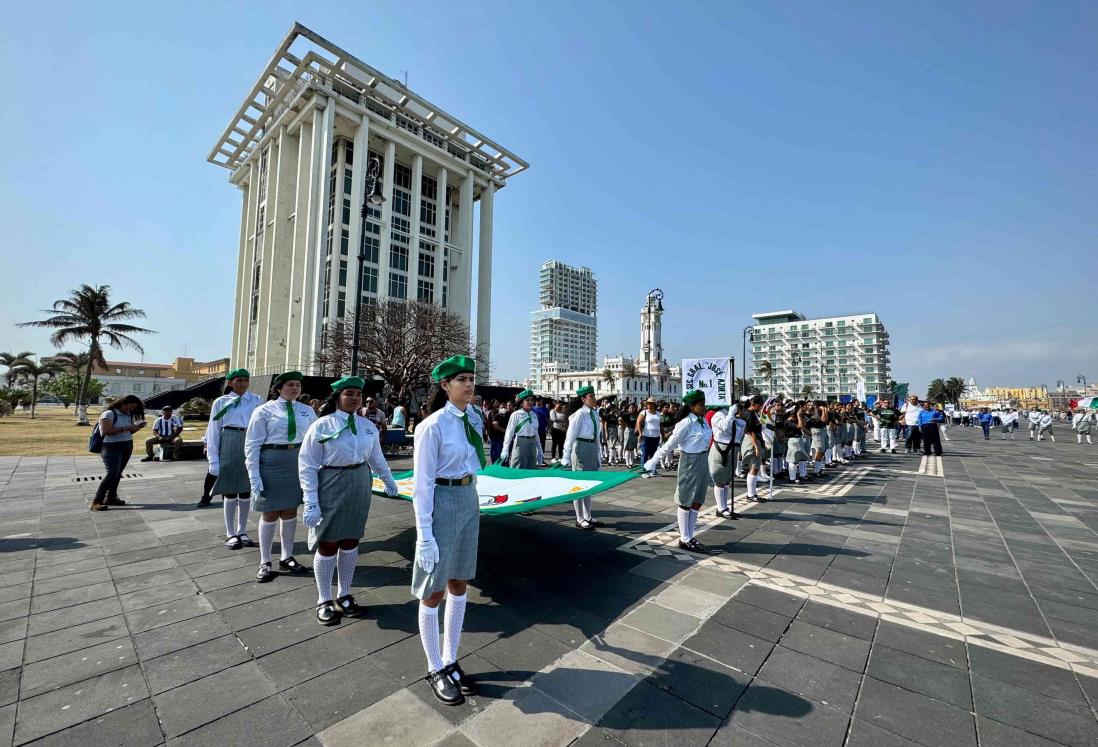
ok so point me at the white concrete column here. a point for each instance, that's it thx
(440, 225)
(386, 220)
(461, 281)
(332, 312)
(240, 321)
(358, 196)
(413, 250)
(484, 282)
(323, 126)
(299, 248)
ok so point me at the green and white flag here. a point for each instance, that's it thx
(503, 490)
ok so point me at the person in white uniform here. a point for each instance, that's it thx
(334, 462)
(275, 433)
(691, 436)
(1034, 424)
(225, 435)
(1083, 423)
(722, 457)
(1045, 427)
(449, 451)
(581, 448)
(521, 444)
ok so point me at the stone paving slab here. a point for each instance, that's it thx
(900, 601)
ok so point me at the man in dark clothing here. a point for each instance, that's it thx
(543, 421)
(930, 420)
(887, 416)
(497, 429)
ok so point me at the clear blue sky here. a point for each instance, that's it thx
(933, 162)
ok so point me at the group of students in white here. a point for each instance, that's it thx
(278, 456)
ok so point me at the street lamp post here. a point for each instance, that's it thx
(748, 331)
(1080, 379)
(373, 197)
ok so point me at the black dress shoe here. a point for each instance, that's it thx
(465, 683)
(149, 459)
(444, 688)
(204, 501)
(696, 546)
(289, 565)
(116, 501)
(327, 613)
(348, 607)
(596, 523)
(265, 574)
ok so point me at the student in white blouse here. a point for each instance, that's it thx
(581, 448)
(274, 435)
(337, 488)
(229, 418)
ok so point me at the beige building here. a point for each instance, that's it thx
(120, 378)
(354, 187)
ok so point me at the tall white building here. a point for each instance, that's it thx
(317, 124)
(830, 355)
(564, 332)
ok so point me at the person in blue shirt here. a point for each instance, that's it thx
(929, 420)
(543, 421)
(986, 420)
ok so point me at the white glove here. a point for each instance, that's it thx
(392, 490)
(504, 458)
(311, 515)
(257, 487)
(650, 465)
(565, 464)
(214, 468)
(427, 553)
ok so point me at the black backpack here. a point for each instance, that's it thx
(95, 440)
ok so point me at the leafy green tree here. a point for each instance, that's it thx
(609, 377)
(66, 386)
(88, 314)
(937, 392)
(196, 406)
(629, 370)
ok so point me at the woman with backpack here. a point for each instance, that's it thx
(114, 439)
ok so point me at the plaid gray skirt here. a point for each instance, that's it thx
(612, 437)
(281, 488)
(749, 456)
(629, 436)
(344, 496)
(585, 456)
(847, 433)
(797, 450)
(721, 472)
(692, 481)
(1084, 427)
(819, 439)
(232, 475)
(524, 452)
(859, 434)
(780, 447)
(456, 527)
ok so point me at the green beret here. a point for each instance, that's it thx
(693, 397)
(453, 366)
(282, 378)
(524, 394)
(236, 372)
(348, 382)
(583, 391)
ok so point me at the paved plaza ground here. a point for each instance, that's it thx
(949, 601)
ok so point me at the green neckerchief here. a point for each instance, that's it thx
(594, 425)
(522, 424)
(350, 425)
(474, 439)
(227, 407)
(291, 427)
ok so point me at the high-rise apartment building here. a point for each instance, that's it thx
(565, 330)
(317, 130)
(829, 356)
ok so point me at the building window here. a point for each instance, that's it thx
(370, 249)
(398, 257)
(398, 285)
(343, 273)
(137, 387)
(425, 291)
(402, 176)
(341, 304)
(254, 312)
(344, 241)
(369, 279)
(402, 202)
(426, 261)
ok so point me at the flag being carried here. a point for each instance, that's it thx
(505, 490)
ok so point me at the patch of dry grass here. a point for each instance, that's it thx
(54, 432)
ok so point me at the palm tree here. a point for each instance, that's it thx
(12, 360)
(31, 372)
(766, 371)
(955, 387)
(608, 377)
(629, 370)
(936, 391)
(88, 314)
(806, 391)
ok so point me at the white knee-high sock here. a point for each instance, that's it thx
(752, 484)
(323, 569)
(346, 570)
(792, 472)
(1052, 437)
(266, 539)
(243, 509)
(692, 523)
(578, 505)
(628, 457)
(428, 636)
(286, 531)
(683, 515)
(1079, 438)
(455, 618)
(721, 494)
(803, 469)
(587, 508)
(229, 505)
(819, 467)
